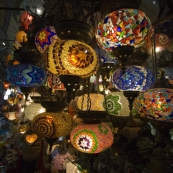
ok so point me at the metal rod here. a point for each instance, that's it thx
(10, 8)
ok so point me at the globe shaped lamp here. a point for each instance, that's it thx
(135, 78)
(123, 30)
(90, 138)
(52, 124)
(26, 75)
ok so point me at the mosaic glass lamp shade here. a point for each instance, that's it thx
(45, 37)
(135, 78)
(25, 75)
(52, 124)
(32, 110)
(95, 102)
(150, 8)
(71, 57)
(117, 104)
(155, 104)
(91, 138)
(25, 20)
(123, 27)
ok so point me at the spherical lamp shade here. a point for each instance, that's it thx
(45, 37)
(59, 161)
(26, 75)
(25, 20)
(117, 104)
(21, 37)
(52, 124)
(155, 104)
(150, 8)
(91, 138)
(95, 102)
(71, 57)
(32, 110)
(135, 78)
(123, 27)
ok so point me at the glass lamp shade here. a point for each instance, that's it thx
(34, 6)
(59, 161)
(25, 20)
(155, 104)
(162, 40)
(32, 110)
(52, 124)
(94, 102)
(11, 115)
(135, 78)
(91, 138)
(150, 8)
(21, 37)
(45, 37)
(123, 27)
(71, 57)
(53, 81)
(25, 75)
(117, 104)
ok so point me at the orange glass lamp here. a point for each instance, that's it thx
(25, 20)
(91, 138)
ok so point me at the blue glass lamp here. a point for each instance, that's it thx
(25, 75)
(135, 78)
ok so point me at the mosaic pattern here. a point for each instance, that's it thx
(71, 57)
(52, 125)
(155, 104)
(123, 27)
(135, 78)
(24, 75)
(90, 138)
(45, 37)
(117, 104)
(95, 102)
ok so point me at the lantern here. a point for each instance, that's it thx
(59, 161)
(71, 57)
(31, 138)
(155, 104)
(117, 104)
(33, 109)
(21, 37)
(123, 27)
(45, 37)
(162, 40)
(25, 20)
(26, 75)
(91, 138)
(52, 124)
(12, 115)
(135, 78)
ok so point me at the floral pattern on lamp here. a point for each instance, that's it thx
(26, 75)
(135, 78)
(90, 138)
(155, 104)
(123, 27)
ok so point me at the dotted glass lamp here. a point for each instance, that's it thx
(117, 104)
(25, 75)
(71, 57)
(91, 138)
(45, 37)
(135, 78)
(155, 104)
(123, 27)
(52, 124)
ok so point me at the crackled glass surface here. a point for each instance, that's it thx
(123, 27)
(155, 104)
(90, 138)
(135, 78)
(25, 75)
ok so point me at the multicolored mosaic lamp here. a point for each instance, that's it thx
(135, 78)
(45, 37)
(26, 75)
(155, 104)
(91, 138)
